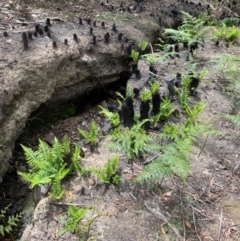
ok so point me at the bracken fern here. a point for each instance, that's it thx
(47, 165)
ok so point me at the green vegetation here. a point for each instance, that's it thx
(174, 157)
(228, 66)
(190, 31)
(74, 216)
(229, 34)
(234, 118)
(79, 221)
(75, 160)
(154, 87)
(166, 110)
(92, 135)
(146, 95)
(48, 165)
(133, 142)
(108, 174)
(112, 116)
(134, 55)
(10, 224)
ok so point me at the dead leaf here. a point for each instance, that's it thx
(211, 182)
(69, 196)
(168, 194)
(188, 225)
(229, 230)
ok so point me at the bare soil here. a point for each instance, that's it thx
(206, 208)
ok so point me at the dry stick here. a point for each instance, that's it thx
(199, 211)
(205, 142)
(115, 17)
(220, 225)
(160, 216)
(184, 228)
(162, 180)
(69, 204)
(152, 158)
(194, 221)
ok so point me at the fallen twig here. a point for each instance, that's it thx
(152, 158)
(195, 226)
(198, 210)
(68, 204)
(205, 142)
(220, 225)
(160, 216)
(183, 221)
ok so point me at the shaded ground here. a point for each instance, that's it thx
(206, 208)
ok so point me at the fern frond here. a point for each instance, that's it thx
(13, 221)
(75, 215)
(234, 118)
(44, 153)
(153, 172)
(112, 116)
(66, 145)
(47, 165)
(108, 174)
(75, 160)
(57, 152)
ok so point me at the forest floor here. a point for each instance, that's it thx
(205, 208)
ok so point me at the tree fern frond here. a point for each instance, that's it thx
(154, 172)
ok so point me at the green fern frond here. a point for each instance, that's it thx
(108, 174)
(66, 145)
(8, 225)
(75, 215)
(234, 118)
(92, 135)
(153, 172)
(75, 160)
(112, 116)
(132, 142)
(58, 152)
(47, 165)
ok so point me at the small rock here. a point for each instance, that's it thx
(84, 123)
(49, 138)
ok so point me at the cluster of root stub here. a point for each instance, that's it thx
(95, 29)
(127, 109)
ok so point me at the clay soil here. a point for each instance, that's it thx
(207, 207)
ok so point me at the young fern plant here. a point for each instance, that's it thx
(194, 112)
(134, 55)
(47, 165)
(159, 56)
(132, 142)
(108, 174)
(229, 34)
(174, 158)
(190, 31)
(72, 219)
(112, 116)
(76, 160)
(166, 110)
(234, 118)
(9, 224)
(228, 66)
(92, 135)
